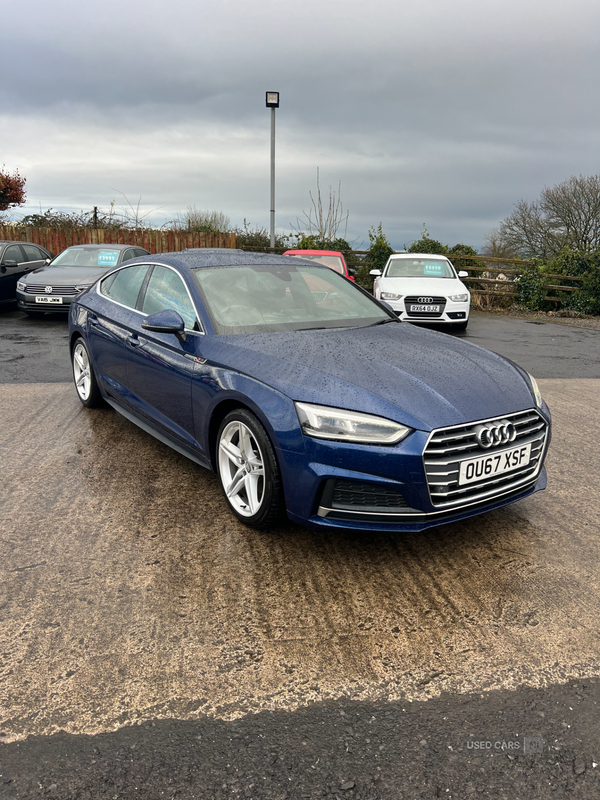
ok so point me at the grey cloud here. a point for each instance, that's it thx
(439, 113)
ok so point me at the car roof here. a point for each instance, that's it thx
(419, 255)
(105, 246)
(201, 257)
(16, 241)
(316, 252)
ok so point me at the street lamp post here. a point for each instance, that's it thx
(272, 103)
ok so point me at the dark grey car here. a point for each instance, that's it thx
(16, 260)
(52, 288)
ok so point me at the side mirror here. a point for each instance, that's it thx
(375, 272)
(463, 274)
(167, 321)
(47, 260)
(351, 271)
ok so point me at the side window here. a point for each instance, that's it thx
(33, 253)
(128, 254)
(140, 252)
(124, 286)
(13, 253)
(167, 290)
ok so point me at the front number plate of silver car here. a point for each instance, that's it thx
(43, 299)
(478, 469)
(424, 309)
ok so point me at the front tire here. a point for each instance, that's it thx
(84, 376)
(248, 470)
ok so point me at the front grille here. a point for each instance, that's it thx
(447, 447)
(60, 291)
(438, 301)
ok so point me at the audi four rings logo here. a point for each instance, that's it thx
(491, 434)
(48, 290)
(425, 299)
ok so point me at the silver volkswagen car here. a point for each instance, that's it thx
(53, 287)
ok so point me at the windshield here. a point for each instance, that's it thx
(419, 268)
(261, 299)
(87, 257)
(333, 262)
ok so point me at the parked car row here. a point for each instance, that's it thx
(307, 395)
(51, 288)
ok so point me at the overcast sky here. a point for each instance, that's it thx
(436, 112)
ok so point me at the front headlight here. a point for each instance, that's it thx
(458, 298)
(390, 296)
(324, 422)
(21, 286)
(536, 391)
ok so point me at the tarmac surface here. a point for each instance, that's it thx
(151, 646)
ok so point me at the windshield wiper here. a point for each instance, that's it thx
(382, 322)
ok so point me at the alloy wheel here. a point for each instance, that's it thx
(82, 371)
(242, 468)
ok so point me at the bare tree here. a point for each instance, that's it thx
(323, 221)
(130, 214)
(566, 215)
(496, 247)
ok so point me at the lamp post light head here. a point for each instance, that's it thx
(272, 99)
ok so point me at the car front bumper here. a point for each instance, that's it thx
(26, 301)
(343, 485)
(452, 313)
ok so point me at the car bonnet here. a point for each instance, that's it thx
(66, 276)
(420, 378)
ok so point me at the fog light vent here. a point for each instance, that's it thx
(347, 495)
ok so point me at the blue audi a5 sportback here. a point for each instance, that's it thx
(305, 394)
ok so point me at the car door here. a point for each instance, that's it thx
(160, 365)
(36, 257)
(13, 264)
(111, 318)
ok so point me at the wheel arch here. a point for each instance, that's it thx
(218, 415)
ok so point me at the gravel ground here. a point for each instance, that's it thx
(343, 749)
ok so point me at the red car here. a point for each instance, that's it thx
(329, 258)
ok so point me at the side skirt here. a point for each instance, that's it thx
(199, 459)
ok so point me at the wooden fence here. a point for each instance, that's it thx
(500, 286)
(57, 240)
(504, 272)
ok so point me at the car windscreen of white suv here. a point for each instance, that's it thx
(422, 287)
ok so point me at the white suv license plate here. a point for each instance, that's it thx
(424, 309)
(478, 469)
(53, 300)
